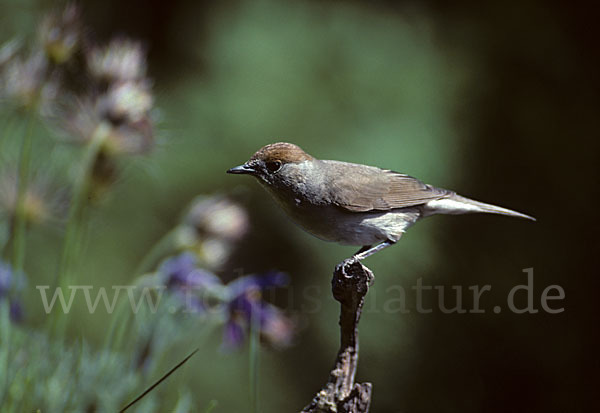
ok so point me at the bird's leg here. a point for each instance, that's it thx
(363, 249)
(361, 254)
(365, 252)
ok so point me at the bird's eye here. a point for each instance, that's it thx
(273, 166)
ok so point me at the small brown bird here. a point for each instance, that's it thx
(350, 203)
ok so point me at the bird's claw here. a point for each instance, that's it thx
(346, 266)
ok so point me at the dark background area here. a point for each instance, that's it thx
(498, 101)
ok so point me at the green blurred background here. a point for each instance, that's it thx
(497, 101)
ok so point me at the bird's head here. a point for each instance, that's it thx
(270, 162)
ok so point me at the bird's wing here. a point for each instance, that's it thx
(380, 190)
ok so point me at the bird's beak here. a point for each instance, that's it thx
(242, 169)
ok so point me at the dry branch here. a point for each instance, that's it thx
(350, 284)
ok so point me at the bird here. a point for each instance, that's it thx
(349, 203)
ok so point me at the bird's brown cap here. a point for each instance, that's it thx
(281, 151)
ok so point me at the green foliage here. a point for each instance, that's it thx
(54, 376)
(348, 81)
(342, 81)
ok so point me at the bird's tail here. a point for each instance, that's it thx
(456, 204)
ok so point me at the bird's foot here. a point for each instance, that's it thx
(350, 267)
(345, 267)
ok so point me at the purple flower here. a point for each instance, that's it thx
(246, 305)
(189, 283)
(9, 282)
(271, 279)
(16, 311)
(5, 279)
(241, 299)
(233, 334)
(182, 271)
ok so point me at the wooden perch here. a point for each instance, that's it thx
(350, 284)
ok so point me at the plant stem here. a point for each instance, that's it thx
(158, 250)
(5, 338)
(254, 357)
(163, 378)
(211, 406)
(18, 229)
(19, 226)
(114, 337)
(80, 193)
